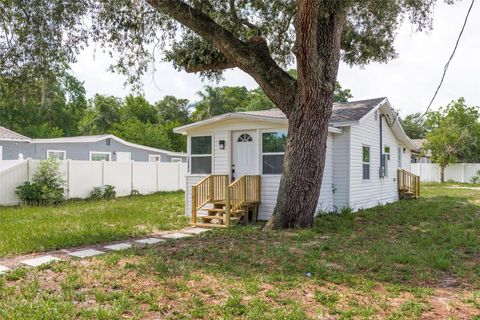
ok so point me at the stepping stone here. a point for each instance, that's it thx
(195, 230)
(149, 241)
(36, 262)
(119, 246)
(4, 269)
(85, 253)
(176, 235)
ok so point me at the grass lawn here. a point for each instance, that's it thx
(27, 229)
(408, 260)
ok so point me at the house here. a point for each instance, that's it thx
(94, 148)
(366, 146)
(419, 155)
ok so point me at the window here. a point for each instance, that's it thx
(57, 154)
(366, 162)
(176, 160)
(273, 151)
(245, 138)
(385, 159)
(201, 154)
(99, 156)
(154, 158)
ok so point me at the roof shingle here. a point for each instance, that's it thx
(6, 134)
(341, 112)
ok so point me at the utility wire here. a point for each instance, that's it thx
(448, 62)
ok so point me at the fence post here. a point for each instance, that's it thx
(68, 178)
(29, 169)
(103, 174)
(131, 176)
(157, 164)
(463, 172)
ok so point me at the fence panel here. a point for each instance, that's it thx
(10, 179)
(458, 172)
(82, 176)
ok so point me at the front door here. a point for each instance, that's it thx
(244, 153)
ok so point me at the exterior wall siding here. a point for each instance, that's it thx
(341, 166)
(376, 190)
(78, 150)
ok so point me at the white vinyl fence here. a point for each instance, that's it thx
(82, 176)
(458, 172)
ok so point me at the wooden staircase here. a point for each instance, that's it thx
(408, 185)
(215, 203)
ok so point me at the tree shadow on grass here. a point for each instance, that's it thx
(410, 243)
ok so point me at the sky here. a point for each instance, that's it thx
(408, 81)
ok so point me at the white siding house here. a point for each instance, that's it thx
(361, 133)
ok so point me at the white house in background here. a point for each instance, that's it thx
(90, 148)
(366, 145)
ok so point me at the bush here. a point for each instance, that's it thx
(476, 177)
(108, 192)
(96, 193)
(47, 186)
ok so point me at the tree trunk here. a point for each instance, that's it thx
(317, 49)
(442, 173)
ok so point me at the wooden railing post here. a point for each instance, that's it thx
(227, 206)
(211, 190)
(194, 204)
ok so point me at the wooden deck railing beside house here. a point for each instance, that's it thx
(209, 189)
(408, 184)
(234, 197)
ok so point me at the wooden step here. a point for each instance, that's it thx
(208, 225)
(222, 218)
(222, 211)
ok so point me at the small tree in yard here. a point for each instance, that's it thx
(259, 37)
(47, 186)
(454, 135)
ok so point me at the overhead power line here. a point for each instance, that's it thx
(449, 60)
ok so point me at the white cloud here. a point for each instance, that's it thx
(408, 81)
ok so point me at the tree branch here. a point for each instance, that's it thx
(216, 65)
(253, 57)
(233, 12)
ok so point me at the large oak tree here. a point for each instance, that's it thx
(262, 38)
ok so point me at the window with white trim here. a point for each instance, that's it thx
(154, 158)
(100, 156)
(385, 160)
(176, 160)
(57, 154)
(201, 154)
(366, 162)
(273, 151)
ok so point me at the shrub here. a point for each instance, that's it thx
(47, 186)
(476, 177)
(96, 193)
(109, 192)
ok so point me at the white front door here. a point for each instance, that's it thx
(124, 156)
(244, 153)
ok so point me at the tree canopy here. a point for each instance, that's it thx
(454, 134)
(414, 126)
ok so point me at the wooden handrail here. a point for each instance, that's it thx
(244, 190)
(408, 182)
(210, 188)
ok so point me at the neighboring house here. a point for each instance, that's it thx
(362, 135)
(419, 155)
(94, 148)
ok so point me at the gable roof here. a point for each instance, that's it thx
(7, 134)
(342, 112)
(87, 139)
